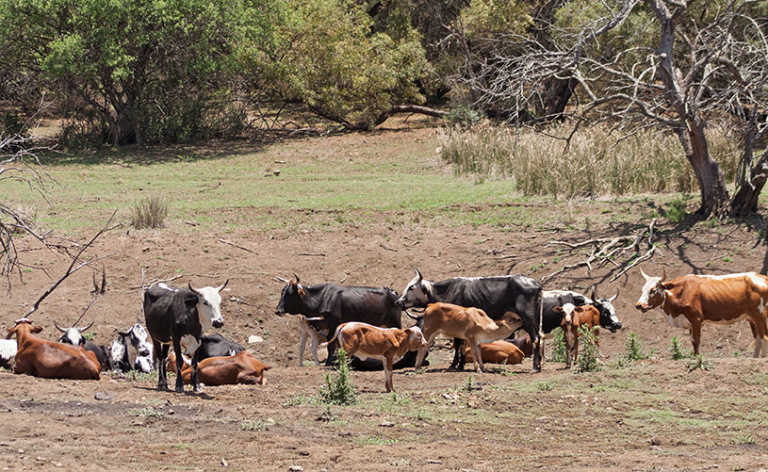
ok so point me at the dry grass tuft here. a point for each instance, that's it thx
(149, 212)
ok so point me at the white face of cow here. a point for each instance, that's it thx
(652, 294)
(140, 341)
(74, 337)
(417, 293)
(117, 351)
(143, 364)
(209, 305)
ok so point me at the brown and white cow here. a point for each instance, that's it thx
(497, 352)
(470, 324)
(242, 368)
(388, 345)
(574, 318)
(691, 300)
(48, 359)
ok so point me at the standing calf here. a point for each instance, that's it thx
(388, 345)
(574, 318)
(312, 328)
(470, 324)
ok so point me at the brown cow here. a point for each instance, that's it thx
(497, 352)
(471, 324)
(242, 368)
(576, 317)
(388, 345)
(691, 300)
(43, 358)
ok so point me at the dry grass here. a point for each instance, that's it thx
(597, 162)
(149, 212)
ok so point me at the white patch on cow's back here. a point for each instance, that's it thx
(167, 287)
(189, 345)
(727, 276)
(758, 281)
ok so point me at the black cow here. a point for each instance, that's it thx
(175, 315)
(74, 336)
(341, 303)
(494, 295)
(552, 319)
(216, 345)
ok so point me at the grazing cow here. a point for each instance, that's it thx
(385, 344)
(574, 317)
(339, 304)
(74, 336)
(470, 324)
(314, 329)
(7, 352)
(552, 318)
(48, 359)
(496, 296)
(497, 352)
(177, 315)
(692, 300)
(137, 337)
(241, 368)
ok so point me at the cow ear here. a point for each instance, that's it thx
(11, 332)
(37, 329)
(191, 299)
(222, 287)
(558, 309)
(302, 292)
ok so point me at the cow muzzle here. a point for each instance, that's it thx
(615, 327)
(642, 307)
(217, 323)
(143, 351)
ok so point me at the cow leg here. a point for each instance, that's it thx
(575, 348)
(302, 343)
(759, 330)
(179, 364)
(568, 335)
(388, 374)
(477, 355)
(695, 331)
(459, 357)
(162, 354)
(313, 342)
(195, 376)
(331, 346)
(423, 351)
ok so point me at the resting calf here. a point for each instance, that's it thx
(470, 324)
(43, 358)
(576, 317)
(388, 345)
(497, 352)
(242, 368)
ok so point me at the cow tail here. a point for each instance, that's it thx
(335, 336)
(540, 302)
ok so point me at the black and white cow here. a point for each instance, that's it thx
(137, 337)
(8, 348)
(216, 345)
(494, 295)
(178, 315)
(342, 303)
(552, 318)
(74, 336)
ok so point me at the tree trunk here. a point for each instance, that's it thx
(714, 194)
(745, 200)
(559, 92)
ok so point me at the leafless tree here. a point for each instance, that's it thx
(709, 60)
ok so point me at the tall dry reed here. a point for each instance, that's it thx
(596, 162)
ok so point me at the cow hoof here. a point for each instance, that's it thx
(162, 387)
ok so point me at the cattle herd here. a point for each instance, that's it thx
(486, 313)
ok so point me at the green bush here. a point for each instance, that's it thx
(634, 349)
(588, 352)
(340, 390)
(558, 345)
(676, 351)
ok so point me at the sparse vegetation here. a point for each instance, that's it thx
(634, 349)
(558, 345)
(149, 212)
(699, 363)
(339, 391)
(676, 350)
(588, 352)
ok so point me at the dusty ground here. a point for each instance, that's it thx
(652, 415)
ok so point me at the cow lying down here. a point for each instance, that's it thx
(242, 368)
(497, 352)
(388, 345)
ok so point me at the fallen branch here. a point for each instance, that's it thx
(311, 254)
(230, 243)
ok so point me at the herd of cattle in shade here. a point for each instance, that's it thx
(483, 312)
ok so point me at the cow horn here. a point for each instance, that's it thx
(192, 289)
(664, 275)
(225, 284)
(418, 274)
(645, 276)
(281, 279)
(594, 293)
(83, 330)
(58, 327)
(614, 297)
(315, 318)
(297, 277)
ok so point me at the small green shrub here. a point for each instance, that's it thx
(634, 349)
(587, 361)
(463, 115)
(149, 213)
(677, 209)
(558, 345)
(698, 362)
(676, 350)
(340, 390)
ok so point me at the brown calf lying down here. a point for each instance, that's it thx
(43, 358)
(497, 352)
(388, 345)
(576, 317)
(470, 324)
(314, 329)
(242, 368)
